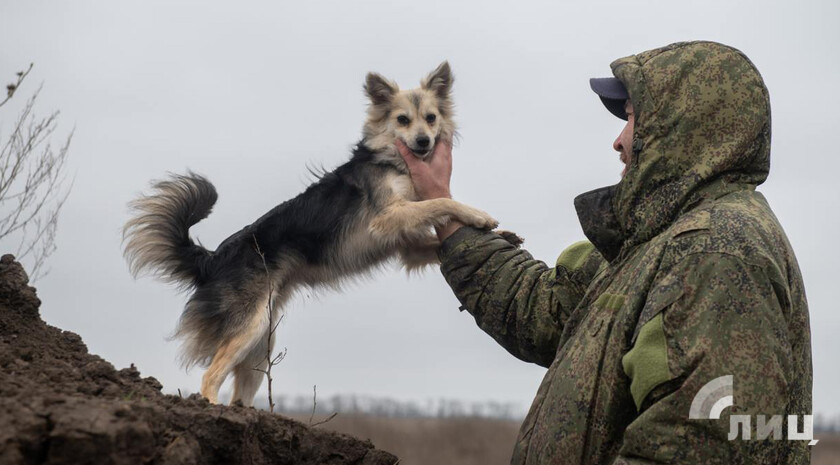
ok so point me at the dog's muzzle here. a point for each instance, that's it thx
(421, 153)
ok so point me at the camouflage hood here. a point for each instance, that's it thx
(702, 129)
(701, 285)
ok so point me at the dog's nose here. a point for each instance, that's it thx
(422, 141)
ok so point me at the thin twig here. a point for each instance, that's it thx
(314, 404)
(280, 356)
(32, 177)
(335, 414)
(12, 88)
(272, 327)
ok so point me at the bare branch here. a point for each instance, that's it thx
(270, 361)
(12, 88)
(32, 184)
(279, 358)
(315, 404)
(274, 328)
(334, 414)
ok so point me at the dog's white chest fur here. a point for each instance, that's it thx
(401, 187)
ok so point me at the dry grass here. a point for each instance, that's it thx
(471, 441)
(827, 451)
(442, 441)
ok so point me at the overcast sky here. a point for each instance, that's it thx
(249, 93)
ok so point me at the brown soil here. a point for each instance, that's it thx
(61, 405)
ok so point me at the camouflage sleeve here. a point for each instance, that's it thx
(711, 316)
(519, 301)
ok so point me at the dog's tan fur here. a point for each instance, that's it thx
(388, 221)
(405, 220)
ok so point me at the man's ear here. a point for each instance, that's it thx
(379, 89)
(439, 81)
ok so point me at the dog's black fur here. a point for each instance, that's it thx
(305, 225)
(351, 220)
(306, 230)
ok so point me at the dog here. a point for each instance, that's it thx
(348, 222)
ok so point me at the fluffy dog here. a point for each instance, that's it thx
(350, 220)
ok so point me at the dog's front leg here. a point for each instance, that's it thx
(406, 222)
(421, 253)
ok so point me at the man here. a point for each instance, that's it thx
(687, 277)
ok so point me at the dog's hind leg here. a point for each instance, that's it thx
(235, 351)
(222, 365)
(247, 380)
(248, 375)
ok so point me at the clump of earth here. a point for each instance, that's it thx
(61, 405)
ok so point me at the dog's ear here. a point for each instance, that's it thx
(379, 89)
(439, 81)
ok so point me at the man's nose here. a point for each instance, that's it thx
(617, 144)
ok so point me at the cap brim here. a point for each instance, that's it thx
(613, 94)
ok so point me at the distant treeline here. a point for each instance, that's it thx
(827, 423)
(434, 408)
(386, 407)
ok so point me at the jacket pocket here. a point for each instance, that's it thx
(646, 363)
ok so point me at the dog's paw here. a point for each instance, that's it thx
(511, 237)
(482, 220)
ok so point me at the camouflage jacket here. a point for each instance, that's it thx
(687, 277)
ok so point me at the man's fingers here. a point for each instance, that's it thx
(408, 157)
(442, 153)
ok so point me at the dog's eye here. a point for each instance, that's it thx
(430, 118)
(402, 119)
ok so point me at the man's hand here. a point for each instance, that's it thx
(431, 177)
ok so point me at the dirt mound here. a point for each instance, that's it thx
(61, 405)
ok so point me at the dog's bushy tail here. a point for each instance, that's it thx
(157, 237)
